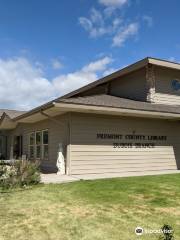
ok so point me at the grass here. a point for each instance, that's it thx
(92, 210)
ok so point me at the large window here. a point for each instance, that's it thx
(45, 144)
(31, 145)
(38, 145)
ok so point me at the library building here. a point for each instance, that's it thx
(125, 124)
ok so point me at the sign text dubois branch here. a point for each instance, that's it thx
(131, 140)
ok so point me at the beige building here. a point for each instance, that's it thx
(122, 124)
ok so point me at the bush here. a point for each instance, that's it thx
(21, 173)
(168, 233)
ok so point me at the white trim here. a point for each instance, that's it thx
(42, 151)
(30, 145)
(164, 63)
(35, 145)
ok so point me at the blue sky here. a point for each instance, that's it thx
(50, 47)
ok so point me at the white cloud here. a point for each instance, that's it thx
(98, 65)
(56, 64)
(125, 33)
(96, 25)
(113, 3)
(105, 23)
(96, 17)
(148, 20)
(89, 73)
(23, 86)
(109, 71)
(86, 24)
(94, 31)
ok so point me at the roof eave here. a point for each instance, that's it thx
(35, 110)
(164, 63)
(71, 107)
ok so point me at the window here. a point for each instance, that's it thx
(45, 145)
(38, 145)
(31, 145)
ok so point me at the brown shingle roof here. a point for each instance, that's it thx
(11, 113)
(117, 102)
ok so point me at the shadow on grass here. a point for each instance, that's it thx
(20, 189)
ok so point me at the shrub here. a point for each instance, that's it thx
(7, 176)
(21, 173)
(168, 233)
(27, 172)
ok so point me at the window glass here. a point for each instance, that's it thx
(38, 138)
(31, 152)
(1, 145)
(45, 154)
(38, 145)
(38, 151)
(31, 139)
(45, 137)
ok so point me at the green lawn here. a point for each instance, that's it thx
(92, 210)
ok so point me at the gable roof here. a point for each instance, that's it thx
(10, 113)
(133, 67)
(130, 68)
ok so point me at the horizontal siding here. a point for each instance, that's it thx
(120, 170)
(121, 153)
(170, 99)
(131, 86)
(115, 159)
(164, 93)
(120, 165)
(109, 148)
(122, 162)
(57, 134)
(97, 161)
(90, 155)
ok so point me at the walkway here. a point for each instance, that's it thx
(55, 178)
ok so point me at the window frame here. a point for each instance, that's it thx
(38, 145)
(45, 144)
(31, 145)
(35, 145)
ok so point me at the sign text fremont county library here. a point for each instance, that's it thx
(138, 141)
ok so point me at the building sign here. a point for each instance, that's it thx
(131, 140)
(175, 85)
